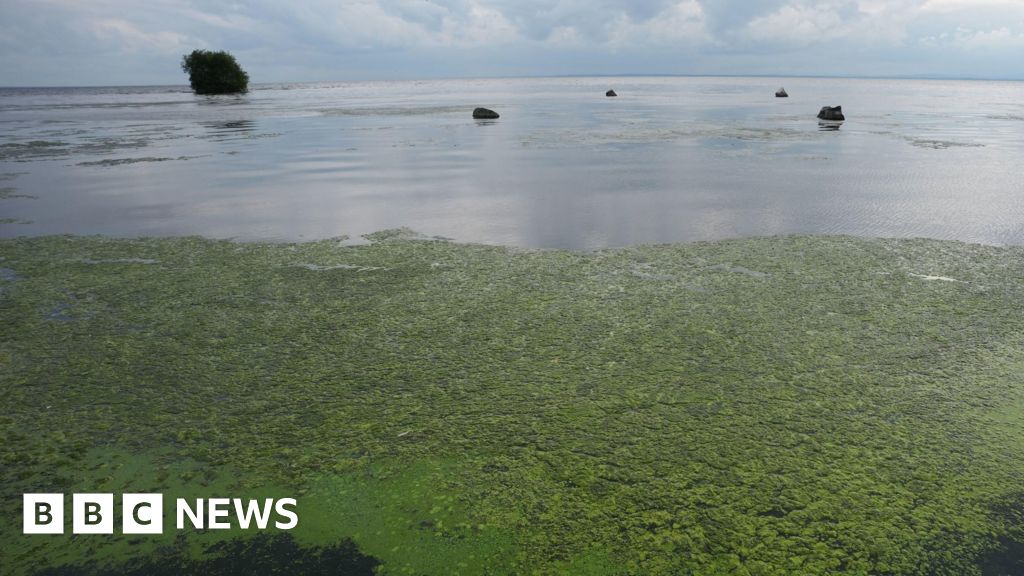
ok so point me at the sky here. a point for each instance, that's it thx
(140, 42)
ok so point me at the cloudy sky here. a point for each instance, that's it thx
(105, 42)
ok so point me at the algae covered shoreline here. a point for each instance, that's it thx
(766, 406)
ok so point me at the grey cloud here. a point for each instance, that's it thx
(726, 15)
(538, 18)
(125, 41)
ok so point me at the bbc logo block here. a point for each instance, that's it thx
(43, 514)
(142, 513)
(92, 513)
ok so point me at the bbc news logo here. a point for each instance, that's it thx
(143, 513)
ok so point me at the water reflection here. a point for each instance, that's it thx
(223, 100)
(224, 130)
(829, 125)
(231, 125)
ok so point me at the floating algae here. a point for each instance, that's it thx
(474, 409)
(122, 161)
(35, 149)
(261, 554)
(120, 261)
(940, 144)
(11, 192)
(739, 270)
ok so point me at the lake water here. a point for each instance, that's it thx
(668, 160)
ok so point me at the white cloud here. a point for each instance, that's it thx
(679, 23)
(230, 21)
(368, 25)
(868, 22)
(131, 38)
(957, 5)
(683, 22)
(484, 25)
(998, 39)
(798, 24)
(564, 36)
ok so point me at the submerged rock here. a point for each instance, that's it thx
(485, 113)
(610, 94)
(831, 113)
(781, 93)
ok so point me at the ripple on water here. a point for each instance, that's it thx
(122, 161)
(11, 192)
(24, 151)
(396, 110)
(940, 144)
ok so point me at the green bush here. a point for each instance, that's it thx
(214, 72)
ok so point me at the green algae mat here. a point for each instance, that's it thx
(770, 406)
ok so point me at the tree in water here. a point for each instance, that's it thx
(214, 72)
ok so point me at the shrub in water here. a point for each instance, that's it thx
(214, 72)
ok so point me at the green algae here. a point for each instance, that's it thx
(818, 405)
(410, 514)
(261, 554)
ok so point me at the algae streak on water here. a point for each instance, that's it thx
(796, 405)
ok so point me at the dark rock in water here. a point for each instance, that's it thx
(610, 93)
(831, 113)
(485, 113)
(781, 93)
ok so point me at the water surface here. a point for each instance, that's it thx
(668, 160)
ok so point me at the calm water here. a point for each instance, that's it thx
(670, 159)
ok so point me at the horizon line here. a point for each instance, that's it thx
(934, 77)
